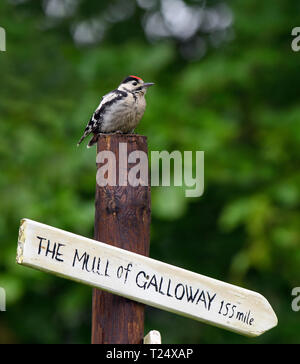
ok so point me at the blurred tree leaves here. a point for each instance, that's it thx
(227, 85)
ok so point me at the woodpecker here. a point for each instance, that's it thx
(119, 111)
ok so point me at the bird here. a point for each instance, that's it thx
(119, 111)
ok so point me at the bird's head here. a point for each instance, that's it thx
(134, 84)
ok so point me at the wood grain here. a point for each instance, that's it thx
(122, 219)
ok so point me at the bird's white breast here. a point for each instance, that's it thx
(125, 115)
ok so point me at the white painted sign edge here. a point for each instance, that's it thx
(257, 302)
(153, 337)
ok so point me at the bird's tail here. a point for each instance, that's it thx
(87, 132)
(93, 140)
(80, 141)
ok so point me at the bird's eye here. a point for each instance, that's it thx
(134, 83)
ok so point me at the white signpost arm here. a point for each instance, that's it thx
(143, 279)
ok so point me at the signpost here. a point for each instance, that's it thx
(143, 279)
(117, 265)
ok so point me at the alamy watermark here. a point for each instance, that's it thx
(2, 299)
(2, 39)
(296, 300)
(186, 172)
(296, 41)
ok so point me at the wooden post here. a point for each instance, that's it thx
(122, 219)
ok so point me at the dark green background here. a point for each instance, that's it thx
(228, 85)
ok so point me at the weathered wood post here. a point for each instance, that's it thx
(122, 219)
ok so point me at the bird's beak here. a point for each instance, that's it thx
(148, 84)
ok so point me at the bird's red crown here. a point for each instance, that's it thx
(138, 78)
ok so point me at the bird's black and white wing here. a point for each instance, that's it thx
(94, 125)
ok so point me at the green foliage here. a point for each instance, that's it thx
(236, 99)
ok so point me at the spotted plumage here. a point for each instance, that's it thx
(119, 111)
